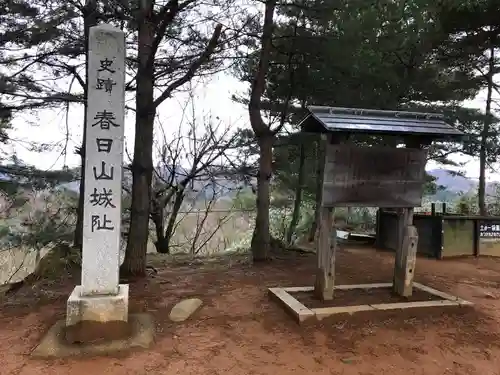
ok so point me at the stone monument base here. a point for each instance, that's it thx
(55, 345)
(100, 318)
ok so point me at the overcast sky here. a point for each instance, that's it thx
(50, 126)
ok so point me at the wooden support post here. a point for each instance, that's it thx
(325, 247)
(406, 254)
(326, 239)
(406, 251)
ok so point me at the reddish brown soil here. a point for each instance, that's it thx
(352, 297)
(240, 331)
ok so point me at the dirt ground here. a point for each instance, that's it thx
(353, 297)
(239, 330)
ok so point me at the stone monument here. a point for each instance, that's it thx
(99, 306)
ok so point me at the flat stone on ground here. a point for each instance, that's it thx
(184, 309)
(54, 344)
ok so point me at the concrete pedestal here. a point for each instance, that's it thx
(97, 318)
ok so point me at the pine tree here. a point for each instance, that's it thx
(348, 53)
(474, 39)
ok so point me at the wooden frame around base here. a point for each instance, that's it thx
(301, 313)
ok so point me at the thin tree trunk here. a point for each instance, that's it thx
(157, 216)
(298, 195)
(134, 263)
(179, 198)
(319, 189)
(261, 238)
(89, 20)
(162, 242)
(484, 137)
(199, 228)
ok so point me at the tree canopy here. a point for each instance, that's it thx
(412, 54)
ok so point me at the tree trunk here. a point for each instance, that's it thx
(298, 195)
(89, 20)
(162, 244)
(319, 189)
(134, 263)
(481, 192)
(179, 198)
(157, 216)
(261, 238)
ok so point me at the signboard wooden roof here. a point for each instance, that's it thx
(369, 121)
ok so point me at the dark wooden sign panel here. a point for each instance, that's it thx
(373, 176)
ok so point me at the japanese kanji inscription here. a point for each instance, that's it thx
(103, 166)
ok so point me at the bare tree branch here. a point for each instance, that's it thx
(204, 57)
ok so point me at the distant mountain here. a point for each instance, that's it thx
(205, 188)
(455, 184)
(73, 186)
(200, 188)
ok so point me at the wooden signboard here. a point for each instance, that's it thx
(373, 176)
